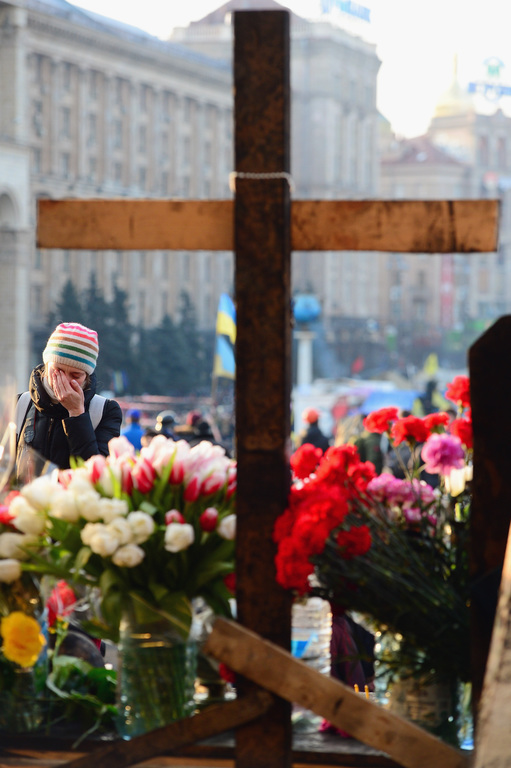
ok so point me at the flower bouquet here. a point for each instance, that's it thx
(394, 551)
(144, 535)
(22, 642)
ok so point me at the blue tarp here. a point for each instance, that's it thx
(398, 398)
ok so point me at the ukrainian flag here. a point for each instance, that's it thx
(224, 365)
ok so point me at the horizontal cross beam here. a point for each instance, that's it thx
(404, 226)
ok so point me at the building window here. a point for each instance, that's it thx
(118, 173)
(141, 307)
(38, 68)
(93, 84)
(117, 130)
(118, 95)
(93, 166)
(37, 118)
(37, 300)
(142, 178)
(65, 121)
(165, 182)
(142, 139)
(66, 262)
(92, 137)
(65, 163)
(38, 259)
(186, 150)
(36, 160)
(144, 98)
(66, 76)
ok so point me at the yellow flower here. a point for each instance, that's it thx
(22, 637)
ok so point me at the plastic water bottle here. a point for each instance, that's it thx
(311, 632)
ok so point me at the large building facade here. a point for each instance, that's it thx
(90, 107)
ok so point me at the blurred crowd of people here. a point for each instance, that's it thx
(195, 428)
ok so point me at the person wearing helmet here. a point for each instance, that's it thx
(312, 433)
(165, 422)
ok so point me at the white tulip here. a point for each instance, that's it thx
(121, 528)
(104, 542)
(109, 509)
(89, 530)
(11, 543)
(40, 491)
(227, 527)
(142, 526)
(128, 556)
(64, 507)
(88, 505)
(27, 519)
(178, 536)
(10, 570)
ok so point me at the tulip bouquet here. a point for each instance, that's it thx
(148, 531)
(392, 550)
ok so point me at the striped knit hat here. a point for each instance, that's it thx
(72, 344)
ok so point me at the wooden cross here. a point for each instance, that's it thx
(263, 226)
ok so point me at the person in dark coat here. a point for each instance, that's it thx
(313, 433)
(57, 423)
(203, 431)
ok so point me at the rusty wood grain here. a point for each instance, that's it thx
(276, 670)
(263, 351)
(136, 224)
(407, 226)
(211, 721)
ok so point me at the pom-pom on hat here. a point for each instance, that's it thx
(72, 344)
(310, 415)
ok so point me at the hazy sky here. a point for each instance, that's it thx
(416, 40)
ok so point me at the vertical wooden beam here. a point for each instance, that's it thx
(263, 349)
(490, 387)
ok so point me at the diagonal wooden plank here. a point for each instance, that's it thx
(406, 226)
(211, 721)
(275, 669)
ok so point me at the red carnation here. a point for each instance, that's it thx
(458, 391)
(462, 428)
(435, 421)
(410, 428)
(305, 460)
(354, 542)
(380, 421)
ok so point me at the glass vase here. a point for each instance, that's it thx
(155, 677)
(21, 708)
(432, 705)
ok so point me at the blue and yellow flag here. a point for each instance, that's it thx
(224, 365)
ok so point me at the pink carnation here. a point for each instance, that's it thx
(441, 453)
